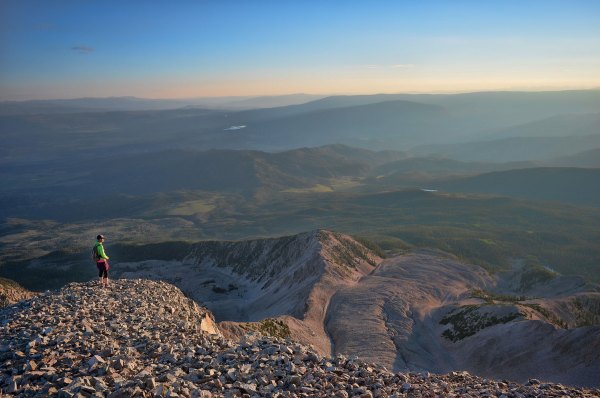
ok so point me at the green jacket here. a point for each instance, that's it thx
(100, 250)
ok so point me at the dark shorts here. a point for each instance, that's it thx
(102, 268)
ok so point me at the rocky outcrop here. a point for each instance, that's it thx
(289, 278)
(423, 310)
(11, 292)
(145, 339)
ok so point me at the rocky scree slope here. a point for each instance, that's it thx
(11, 292)
(423, 310)
(290, 279)
(146, 339)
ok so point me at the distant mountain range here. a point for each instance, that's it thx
(486, 205)
(368, 165)
(78, 105)
(532, 126)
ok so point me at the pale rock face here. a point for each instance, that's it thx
(290, 278)
(143, 338)
(326, 290)
(417, 311)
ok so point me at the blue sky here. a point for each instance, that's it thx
(168, 49)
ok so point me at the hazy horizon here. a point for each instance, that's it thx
(65, 49)
(252, 96)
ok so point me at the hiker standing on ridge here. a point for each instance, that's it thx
(101, 261)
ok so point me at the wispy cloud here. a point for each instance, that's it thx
(81, 49)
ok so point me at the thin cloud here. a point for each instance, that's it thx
(82, 49)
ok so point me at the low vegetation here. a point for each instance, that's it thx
(507, 299)
(493, 298)
(534, 273)
(550, 316)
(587, 310)
(269, 327)
(470, 319)
(350, 252)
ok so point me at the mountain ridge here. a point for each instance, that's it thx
(130, 351)
(416, 310)
(252, 280)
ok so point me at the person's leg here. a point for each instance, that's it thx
(100, 274)
(106, 267)
(105, 278)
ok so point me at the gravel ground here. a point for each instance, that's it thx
(142, 338)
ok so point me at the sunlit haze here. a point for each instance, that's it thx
(160, 49)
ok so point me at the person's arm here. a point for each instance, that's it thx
(101, 253)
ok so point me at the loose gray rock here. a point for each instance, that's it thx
(145, 339)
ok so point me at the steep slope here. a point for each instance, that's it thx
(11, 292)
(423, 311)
(413, 311)
(94, 341)
(291, 277)
(145, 339)
(390, 304)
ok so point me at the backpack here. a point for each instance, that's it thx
(95, 255)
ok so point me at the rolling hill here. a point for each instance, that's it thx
(556, 126)
(570, 185)
(516, 149)
(589, 158)
(397, 121)
(78, 105)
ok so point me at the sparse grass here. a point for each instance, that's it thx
(500, 299)
(488, 241)
(587, 310)
(374, 247)
(492, 298)
(349, 252)
(345, 183)
(468, 320)
(269, 327)
(318, 188)
(551, 317)
(191, 208)
(7, 283)
(534, 273)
